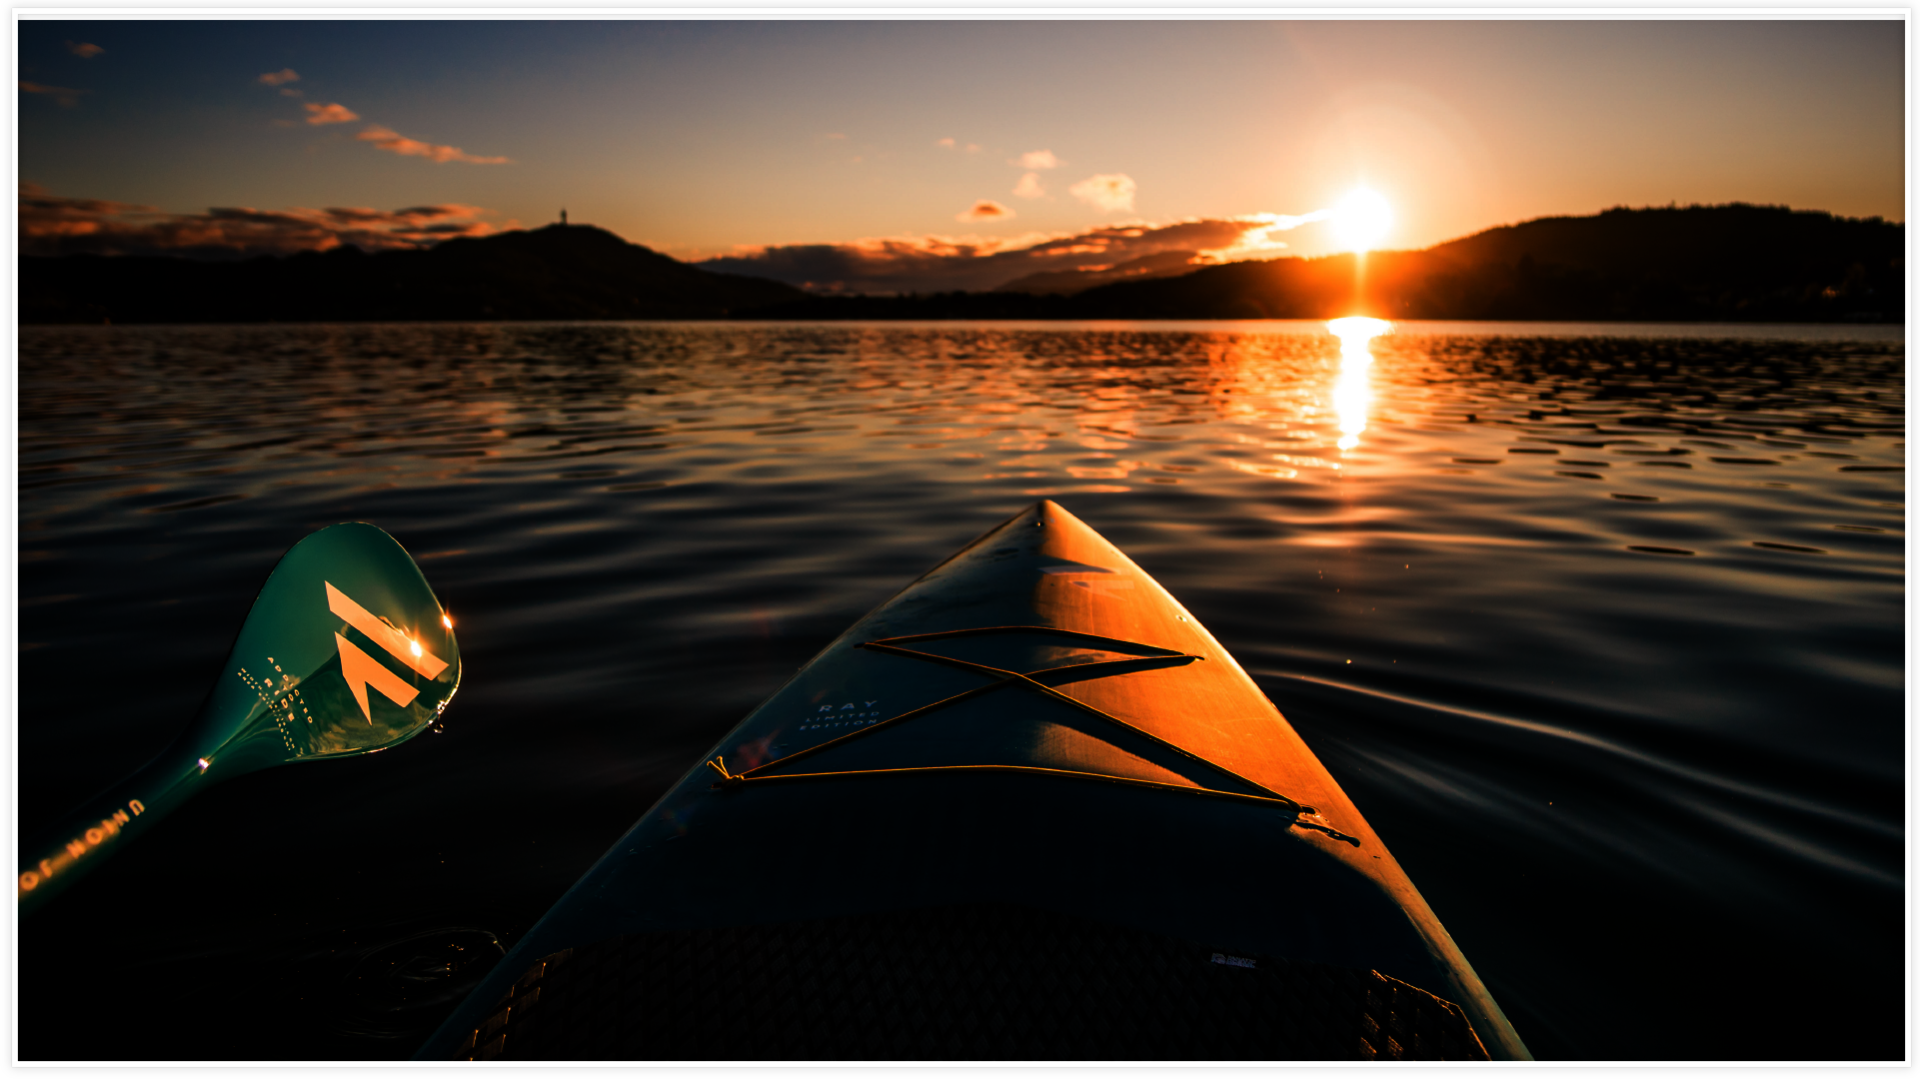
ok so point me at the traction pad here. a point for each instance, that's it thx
(971, 982)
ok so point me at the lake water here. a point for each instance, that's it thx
(1600, 626)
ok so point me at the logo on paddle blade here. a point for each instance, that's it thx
(361, 670)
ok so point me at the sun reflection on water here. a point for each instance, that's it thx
(1353, 392)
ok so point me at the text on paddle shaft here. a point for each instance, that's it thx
(80, 846)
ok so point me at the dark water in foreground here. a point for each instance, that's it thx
(1601, 627)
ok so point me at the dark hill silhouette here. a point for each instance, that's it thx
(1734, 263)
(558, 272)
(1685, 243)
(1697, 263)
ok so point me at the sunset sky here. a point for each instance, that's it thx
(961, 138)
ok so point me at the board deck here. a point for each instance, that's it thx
(1026, 801)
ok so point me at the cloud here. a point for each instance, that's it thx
(64, 95)
(288, 91)
(836, 135)
(329, 114)
(58, 225)
(984, 210)
(85, 50)
(1037, 159)
(952, 144)
(1258, 241)
(1107, 191)
(1029, 186)
(387, 139)
(381, 136)
(948, 143)
(942, 263)
(281, 77)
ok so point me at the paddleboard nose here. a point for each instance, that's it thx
(1031, 741)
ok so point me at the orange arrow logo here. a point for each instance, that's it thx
(361, 670)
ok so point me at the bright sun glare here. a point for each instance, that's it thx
(1362, 218)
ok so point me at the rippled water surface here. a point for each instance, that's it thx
(1600, 626)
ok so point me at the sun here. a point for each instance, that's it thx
(1361, 219)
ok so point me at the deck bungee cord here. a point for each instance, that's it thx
(1156, 657)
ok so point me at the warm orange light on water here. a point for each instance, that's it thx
(1353, 391)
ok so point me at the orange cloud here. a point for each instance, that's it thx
(85, 50)
(281, 77)
(329, 114)
(64, 95)
(287, 91)
(985, 210)
(1107, 191)
(387, 139)
(57, 225)
(1037, 159)
(948, 143)
(1029, 186)
(927, 264)
(1258, 241)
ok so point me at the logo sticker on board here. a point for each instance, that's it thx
(361, 670)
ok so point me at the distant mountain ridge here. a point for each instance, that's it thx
(557, 272)
(1733, 263)
(1720, 263)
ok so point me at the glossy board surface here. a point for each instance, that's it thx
(1035, 721)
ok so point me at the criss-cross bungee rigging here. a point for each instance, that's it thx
(1156, 657)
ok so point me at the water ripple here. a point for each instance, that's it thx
(1602, 627)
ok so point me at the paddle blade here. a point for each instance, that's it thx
(346, 651)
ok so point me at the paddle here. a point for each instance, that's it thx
(345, 651)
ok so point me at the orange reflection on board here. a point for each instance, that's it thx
(1353, 391)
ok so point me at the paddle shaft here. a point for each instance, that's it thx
(56, 858)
